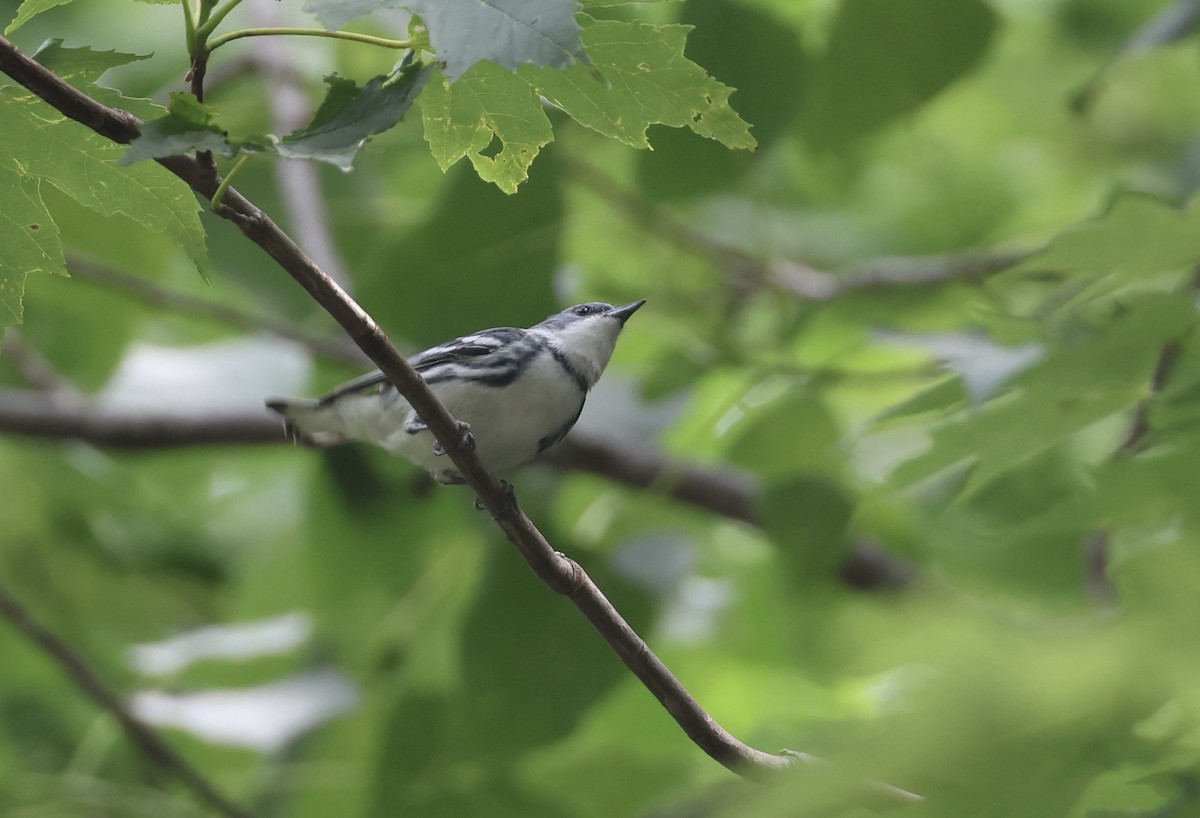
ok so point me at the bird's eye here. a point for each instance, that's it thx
(583, 309)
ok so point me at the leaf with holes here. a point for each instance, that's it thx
(641, 78)
(487, 104)
(29, 237)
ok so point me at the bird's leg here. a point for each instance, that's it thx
(468, 439)
(510, 495)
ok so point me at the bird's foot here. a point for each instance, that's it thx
(468, 439)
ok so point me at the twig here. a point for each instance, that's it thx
(559, 572)
(152, 746)
(337, 348)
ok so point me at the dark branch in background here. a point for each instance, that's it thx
(147, 740)
(793, 277)
(32, 414)
(725, 492)
(562, 574)
(337, 348)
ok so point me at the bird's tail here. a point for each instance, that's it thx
(310, 421)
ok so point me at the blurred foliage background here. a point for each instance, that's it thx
(937, 329)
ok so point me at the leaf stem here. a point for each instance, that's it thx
(308, 32)
(189, 28)
(210, 24)
(224, 186)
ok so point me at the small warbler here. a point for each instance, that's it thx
(516, 392)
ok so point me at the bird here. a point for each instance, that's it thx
(515, 392)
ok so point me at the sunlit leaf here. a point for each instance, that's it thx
(30, 9)
(1139, 235)
(640, 77)
(29, 237)
(487, 104)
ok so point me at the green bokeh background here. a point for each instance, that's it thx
(1007, 677)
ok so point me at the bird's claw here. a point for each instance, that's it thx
(468, 439)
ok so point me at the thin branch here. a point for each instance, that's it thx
(336, 348)
(150, 743)
(787, 275)
(559, 572)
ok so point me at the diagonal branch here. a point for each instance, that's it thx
(561, 573)
(150, 743)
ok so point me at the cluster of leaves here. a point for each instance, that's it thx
(1025, 444)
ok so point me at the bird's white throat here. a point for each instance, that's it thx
(587, 344)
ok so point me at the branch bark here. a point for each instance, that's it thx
(559, 572)
(151, 745)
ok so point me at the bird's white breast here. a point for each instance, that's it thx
(508, 422)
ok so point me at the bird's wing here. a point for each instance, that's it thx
(459, 350)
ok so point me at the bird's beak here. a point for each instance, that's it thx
(622, 313)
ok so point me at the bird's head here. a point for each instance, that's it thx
(587, 334)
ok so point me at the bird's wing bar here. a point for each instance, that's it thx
(456, 351)
(467, 347)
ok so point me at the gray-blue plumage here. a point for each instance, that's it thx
(520, 390)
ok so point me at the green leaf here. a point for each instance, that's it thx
(349, 115)
(644, 79)
(465, 32)
(29, 237)
(770, 79)
(488, 103)
(1139, 235)
(188, 126)
(30, 9)
(509, 32)
(83, 68)
(886, 58)
(334, 14)
(86, 166)
(81, 65)
(1073, 388)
